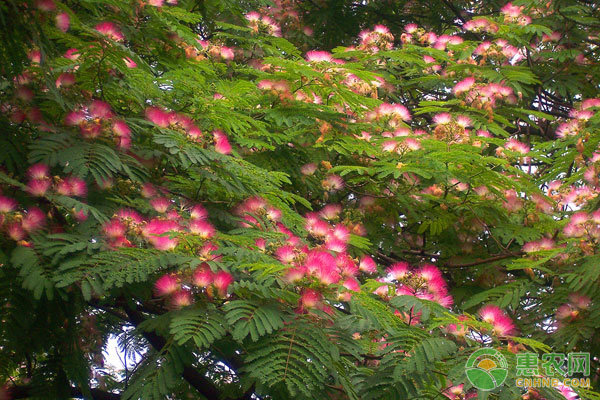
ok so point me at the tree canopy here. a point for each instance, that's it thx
(296, 199)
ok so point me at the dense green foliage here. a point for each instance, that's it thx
(277, 200)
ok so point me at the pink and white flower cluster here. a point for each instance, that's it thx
(61, 18)
(483, 96)
(263, 24)
(317, 265)
(573, 309)
(180, 289)
(514, 14)
(579, 118)
(184, 124)
(17, 222)
(583, 224)
(128, 228)
(502, 324)
(380, 38)
(40, 182)
(97, 118)
(426, 282)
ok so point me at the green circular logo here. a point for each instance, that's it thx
(486, 369)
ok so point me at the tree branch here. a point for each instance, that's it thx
(484, 261)
(201, 383)
(197, 380)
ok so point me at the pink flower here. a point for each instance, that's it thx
(253, 16)
(227, 53)
(513, 202)
(567, 392)
(221, 142)
(308, 169)
(181, 298)
(411, 144)
(208, 249)
(327, 274)
(45, 5)
(129, 216)
(367, 265)
(166, 284)
(148, 190)
(121, 129)
(80, 215)
(393, 111)
(442, 119)
(114, 229)
(71, 54)
(316, 260)
(411, 28)
(158, 117)
(294, 274)
(502, 324)
(336, 245)
(74, 118)
(458, 329)
(173, 215)
(110, 30)
(65, 79)
(34, 219)
(261, 243)
(16, 231)
(35, 56)
(516, 146)
(430, 272)
(333, 183)
(202, 228)
(72, 186)
(589, 103)
(318, 56)
(222, 280)
(455, 392)
(511, 10)
(7, 204)
(318, 228)
(463, 120)
(129, 63)
(24, 93)
(63, 21)
(351, 284)
(341, 233)
(195, 133)
(273, 214)
(156, 227)
(198, 212)
(580, 301)
(160, 204)
(38, 187)
(331, 211)
(346, 265)
(383, 290)
(285, 254)
(100, 109)
(579, 218)
(309, 299)
(203, 276)
(399, 270)
(389, 145)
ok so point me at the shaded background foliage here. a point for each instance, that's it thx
(195, 119)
